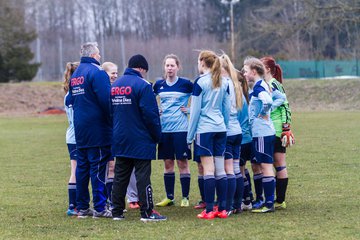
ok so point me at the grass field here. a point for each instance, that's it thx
(323, 194)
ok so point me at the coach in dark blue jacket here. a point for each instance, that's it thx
(136, 130)
(90, 94)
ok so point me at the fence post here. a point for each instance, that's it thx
(357, 65)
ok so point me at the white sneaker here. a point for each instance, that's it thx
(104, 214)
(245, 207)
(119, 218)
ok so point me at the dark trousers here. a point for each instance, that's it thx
(123, 169)
(91, 164)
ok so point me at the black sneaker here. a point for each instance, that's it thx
(153, 217)
(236, 211)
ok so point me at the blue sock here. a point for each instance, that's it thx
(185, 184)
(269, 189)
(246, 195)
(109, 184)
(258, 186)
(201, 187)
(231, 187)
(221, 191)
(72, 195)
(239, 190)
(247, 174)
(169, 180)
(209, 192)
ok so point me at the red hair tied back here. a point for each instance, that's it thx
(275, 68)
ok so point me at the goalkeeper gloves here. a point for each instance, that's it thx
(287, 138)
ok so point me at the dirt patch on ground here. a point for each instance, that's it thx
(30, 98)
(307, 95)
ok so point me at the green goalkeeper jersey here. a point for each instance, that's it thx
(281, 114)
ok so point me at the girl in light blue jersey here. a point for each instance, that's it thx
(262, 128)
(247, 151)
(234, 136)
(174, 93)
(209, 117)
(255, 166)
(70, 138)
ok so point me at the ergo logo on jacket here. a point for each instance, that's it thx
(76, 84)
(121, 90)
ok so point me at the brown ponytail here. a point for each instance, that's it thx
(69, 70)
(244, 85)
(275, 68)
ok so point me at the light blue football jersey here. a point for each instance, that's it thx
(260, 106)
(210, 107)
(243, 117)
(70, 132)
(172, 97)
(234, 127)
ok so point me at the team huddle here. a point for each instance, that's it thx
(234, 117)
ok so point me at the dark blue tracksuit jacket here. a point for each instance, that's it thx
(136, 121)
(90, 92)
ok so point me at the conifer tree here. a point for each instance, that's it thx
(15, 52)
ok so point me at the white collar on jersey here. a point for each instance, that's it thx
(172, 83)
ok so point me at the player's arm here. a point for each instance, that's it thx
(195, 110)
(189, 89)
(287, 137)
(226, 105)
(267, 102)
(285, 113)
(278, 99)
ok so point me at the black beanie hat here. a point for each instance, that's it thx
(138, 61)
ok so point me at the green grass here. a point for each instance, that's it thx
(320, 95)
(323, 193)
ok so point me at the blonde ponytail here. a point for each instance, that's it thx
(216, 73)
(212, 61)
(231, 70)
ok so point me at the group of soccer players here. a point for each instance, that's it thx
(234, 117)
